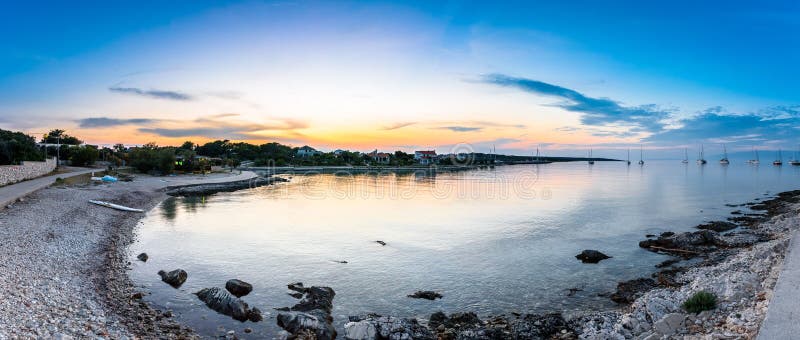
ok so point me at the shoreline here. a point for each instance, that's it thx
(66, 262)
(115, 307)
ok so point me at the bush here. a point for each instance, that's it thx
(700, 301)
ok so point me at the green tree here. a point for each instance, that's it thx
(84, 156)
(60, 136)
(16, 147)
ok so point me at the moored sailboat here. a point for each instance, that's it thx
(629, 156)
(685, 156)
(641, 155)
(778, 161)
(724, 160)
(591, 161)
(754, 161)
(794, 160)
(701, 160)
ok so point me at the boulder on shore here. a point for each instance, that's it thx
(426, 294)
(591, 256)
(143, 257)
(174, 278)
(224, 303)
(238, 288)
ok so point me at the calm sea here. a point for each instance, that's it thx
(491, 241)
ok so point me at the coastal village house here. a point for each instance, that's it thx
(307, 151)
(425, 157)
(380, 157)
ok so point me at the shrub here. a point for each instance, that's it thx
(700, 301)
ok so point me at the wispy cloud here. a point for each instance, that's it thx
(461, 128)
(225, 126)
(104, 122)
(595, 111)
(160, 94)
(717, 125)
(398, 125)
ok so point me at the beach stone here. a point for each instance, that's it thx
(669, 324)
(142, 257)
(316, 324)
(174, 278)
(591, 256)
(360, 330)
(426, 294)
(387, 327)
(238, 288)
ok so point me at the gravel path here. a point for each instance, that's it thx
(63, 269)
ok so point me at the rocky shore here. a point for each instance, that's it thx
(64, 275)
(739, 264)
(65, 263)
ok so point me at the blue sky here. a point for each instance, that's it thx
(408, 75)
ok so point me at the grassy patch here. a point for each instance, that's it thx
(700, 301)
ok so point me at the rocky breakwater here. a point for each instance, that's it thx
(311, 317)
(213, 188)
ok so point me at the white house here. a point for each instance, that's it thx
(425, 157)
(307, 151)
(380, 157)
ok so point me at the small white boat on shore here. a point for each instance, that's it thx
(115, 206)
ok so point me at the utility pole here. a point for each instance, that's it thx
(58, 152)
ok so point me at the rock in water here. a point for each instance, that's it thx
(174, 278)
(426, 294)
(591, 256)
(311, 317)
(629, 291)
(238, 288)
(142, 257)
(718, 226)
(224, 303)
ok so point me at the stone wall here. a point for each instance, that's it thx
(15, 173)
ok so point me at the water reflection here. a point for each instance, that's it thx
(492, 240)
(169, 208)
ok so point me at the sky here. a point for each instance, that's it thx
(563, 76)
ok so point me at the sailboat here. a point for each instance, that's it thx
(641, 156)
(685, 156)
(538, 160)
(779, 160)
(629, 156)
(794, 160)
(724, 160)
(754, 161)
(591, 161)
(701, 160)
